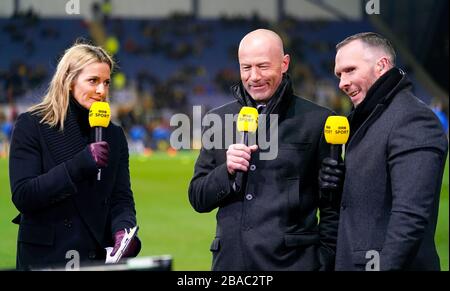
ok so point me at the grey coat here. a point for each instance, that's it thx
(394, 165)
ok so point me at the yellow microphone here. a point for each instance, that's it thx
(337, 131)
(247, 122)
(99, 117)
(99, 114)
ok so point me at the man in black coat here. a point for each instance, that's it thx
(394, 162)
(270, 223)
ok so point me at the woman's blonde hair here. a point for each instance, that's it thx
(55, 103)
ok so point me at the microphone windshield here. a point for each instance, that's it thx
(337, 130)
(247, 119)
(99, 114)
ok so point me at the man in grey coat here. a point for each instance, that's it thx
(394, 163)
(270, 223)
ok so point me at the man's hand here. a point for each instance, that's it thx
(331, 175)
(238, 157)
(100, 153)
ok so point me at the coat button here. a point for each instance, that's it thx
(220, 194)
(252, 167)
(249, 197)
(67, 223)
(343, 206)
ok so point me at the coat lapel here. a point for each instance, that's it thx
(361, 131)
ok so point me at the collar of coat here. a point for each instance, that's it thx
(63, 145)
(381, 93)
(280, 97)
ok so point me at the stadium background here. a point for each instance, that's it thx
(175, 54)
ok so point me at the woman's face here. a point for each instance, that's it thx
(92, 84)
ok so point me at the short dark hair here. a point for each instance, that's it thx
(371, 39)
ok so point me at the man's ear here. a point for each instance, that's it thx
(383, 65)
(285, 63)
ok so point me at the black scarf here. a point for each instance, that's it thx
(63, 145)
(379, 93)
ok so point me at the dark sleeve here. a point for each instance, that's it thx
(329, 213)
(32, 189)
(211, 183)
(123, 213)
(416, 142)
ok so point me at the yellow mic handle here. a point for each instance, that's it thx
(247, 119)
(99, 114)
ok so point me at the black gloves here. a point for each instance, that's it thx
(331, 182)
(85, 163)
(331, 175)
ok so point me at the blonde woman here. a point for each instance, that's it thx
(65, 213)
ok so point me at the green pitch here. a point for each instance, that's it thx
(168, 224)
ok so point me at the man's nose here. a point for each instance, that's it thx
(344, 83)
(255, 74)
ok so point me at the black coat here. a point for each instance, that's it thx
(63, 209)
(273, 225)
(394, 164)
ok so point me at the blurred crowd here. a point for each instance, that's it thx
(144, 98)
